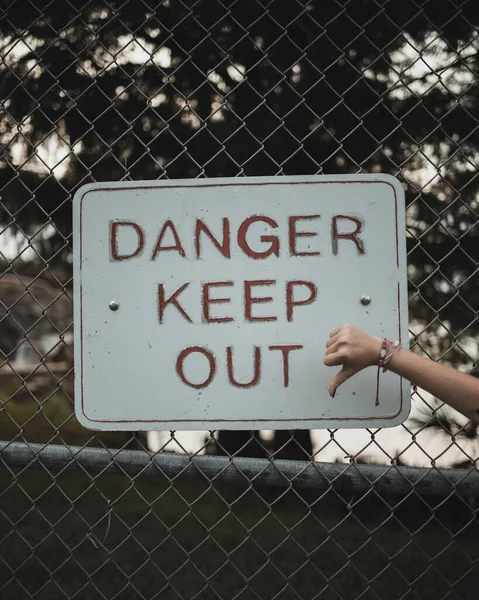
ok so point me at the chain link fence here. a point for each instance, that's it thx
(142, 89)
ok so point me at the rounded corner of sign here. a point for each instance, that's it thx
(399, 419)
(82, 191)
(85, 421)
(391, 180)
(401, 416)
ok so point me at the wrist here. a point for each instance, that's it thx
(396, 359)
(375, 349)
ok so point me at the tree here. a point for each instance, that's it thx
(143, 90)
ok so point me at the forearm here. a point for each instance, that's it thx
(459, 390)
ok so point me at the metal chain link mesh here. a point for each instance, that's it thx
(115, 90)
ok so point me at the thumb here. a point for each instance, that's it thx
(339, 378)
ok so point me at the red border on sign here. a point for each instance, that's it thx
(239, 183)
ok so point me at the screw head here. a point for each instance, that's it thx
(114, 305)
(365, 300)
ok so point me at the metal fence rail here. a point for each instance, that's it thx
(234, 471)
(128, 90)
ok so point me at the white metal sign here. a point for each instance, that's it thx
(206, 304)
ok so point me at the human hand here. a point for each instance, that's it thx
(352, 348)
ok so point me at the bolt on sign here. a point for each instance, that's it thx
(207, 304)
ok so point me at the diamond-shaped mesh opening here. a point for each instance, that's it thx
(149, 89)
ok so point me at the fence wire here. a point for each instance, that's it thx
(144, 89)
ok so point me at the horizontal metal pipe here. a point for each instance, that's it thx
(263, 472)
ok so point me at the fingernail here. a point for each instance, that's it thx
(333, 394)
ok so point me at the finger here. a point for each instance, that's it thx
(340, 378)
(334, 359)
(334, 346)
(335, 332)
(332, 340)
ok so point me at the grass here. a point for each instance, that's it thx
(68, 535)
(211, 542)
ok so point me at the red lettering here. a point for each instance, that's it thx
(293, 234)
(115, 255)
(177, 245)
(291, 302)
(272, 239)
(335, 235)
(285, 351)
(224, 248)
(250, 300)
(257, 368)
(206, 301)
(163, 303)
(211, 362)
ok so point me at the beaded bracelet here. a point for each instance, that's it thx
(388, 349)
